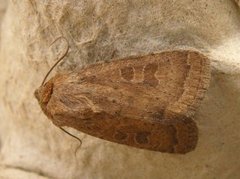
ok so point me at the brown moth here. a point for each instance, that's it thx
(146, 102)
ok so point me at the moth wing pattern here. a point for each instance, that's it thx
(146, 102)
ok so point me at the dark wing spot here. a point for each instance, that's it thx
(127, 73)
(149, 72)
(120, 135)
(142, 137)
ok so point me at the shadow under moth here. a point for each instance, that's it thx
(146, 102)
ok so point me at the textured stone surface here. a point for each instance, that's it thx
(9, 172)
(101, 30)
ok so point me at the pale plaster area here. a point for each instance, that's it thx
(32, 147)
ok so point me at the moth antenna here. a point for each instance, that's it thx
(80, 141)
(60, 59)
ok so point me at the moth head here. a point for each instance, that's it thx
(44, 93)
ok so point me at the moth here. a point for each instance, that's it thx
(146, 102)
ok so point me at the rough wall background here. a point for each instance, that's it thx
(100, 30)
